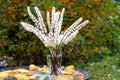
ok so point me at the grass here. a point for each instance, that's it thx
(107, 69)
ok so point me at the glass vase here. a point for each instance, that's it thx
(54, 60)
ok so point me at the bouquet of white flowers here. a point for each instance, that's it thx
(54, 38)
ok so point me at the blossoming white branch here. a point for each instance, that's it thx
(54, 36)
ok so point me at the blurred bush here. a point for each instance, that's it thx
(99, 38)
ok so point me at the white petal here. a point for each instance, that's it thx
(28, 27)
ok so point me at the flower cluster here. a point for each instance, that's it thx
(54, 36)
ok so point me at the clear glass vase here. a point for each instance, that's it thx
(54, 60)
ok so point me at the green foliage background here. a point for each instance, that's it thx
(99, 38)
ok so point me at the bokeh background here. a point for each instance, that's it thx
(100, 38)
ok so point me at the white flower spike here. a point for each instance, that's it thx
(54, 36)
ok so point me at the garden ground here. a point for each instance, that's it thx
(107, 69)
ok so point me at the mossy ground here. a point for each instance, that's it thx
(106, 69)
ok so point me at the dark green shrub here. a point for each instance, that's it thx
(99, 38)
